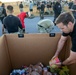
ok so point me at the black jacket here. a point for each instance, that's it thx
(42, 7)
(4, 12)
(57, 8)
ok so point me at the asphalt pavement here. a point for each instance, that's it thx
(31, 25)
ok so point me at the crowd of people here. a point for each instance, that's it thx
(10, 22)
(56, 6)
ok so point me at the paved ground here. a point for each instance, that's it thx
(31, 25)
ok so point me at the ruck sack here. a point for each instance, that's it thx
(1, 11)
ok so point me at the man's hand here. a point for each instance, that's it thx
(51, 63)
(54, 56)
(58, 64)
(54, 61)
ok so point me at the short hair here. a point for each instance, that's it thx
(10, 8)
(65, 18)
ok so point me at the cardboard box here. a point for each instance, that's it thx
(31, 49)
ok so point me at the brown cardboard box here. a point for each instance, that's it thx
(33, 48)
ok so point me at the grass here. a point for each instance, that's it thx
(17, 11)
(26, 8)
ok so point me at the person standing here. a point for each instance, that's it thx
(21, 7)
(38, 6)
(70, 4)
(42, 10)
(11, 23)
(31, 8)
(73, 9)
(2, 12)
(57, 9)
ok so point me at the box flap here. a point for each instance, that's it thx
(5, 65)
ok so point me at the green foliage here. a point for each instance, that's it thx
(61, 71)
(64, 71)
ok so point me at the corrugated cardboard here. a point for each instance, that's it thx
(5, 65)
(31, 49)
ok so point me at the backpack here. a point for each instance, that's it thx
(1, 11)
